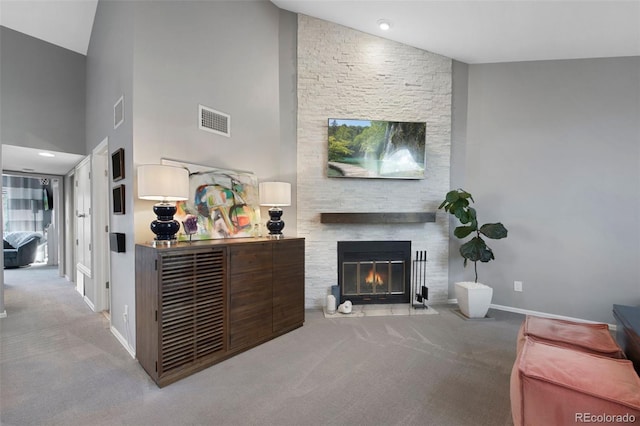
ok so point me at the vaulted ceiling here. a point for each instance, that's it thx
(471, 31)
(481, 31)
(65, 23)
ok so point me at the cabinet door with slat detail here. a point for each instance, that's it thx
(192, 308)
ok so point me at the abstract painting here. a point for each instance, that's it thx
(222, 204)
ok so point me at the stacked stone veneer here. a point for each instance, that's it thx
(343, 73)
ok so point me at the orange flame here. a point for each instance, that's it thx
(373, 278)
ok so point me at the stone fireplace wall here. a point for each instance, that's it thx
(343, 73)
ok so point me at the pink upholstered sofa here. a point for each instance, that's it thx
(569, 373)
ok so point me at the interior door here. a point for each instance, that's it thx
(100, 207)
(83, 222)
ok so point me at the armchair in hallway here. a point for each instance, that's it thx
(20, 248)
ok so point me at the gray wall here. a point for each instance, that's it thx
(553, 151)
(288, 75)
(42, 90)
(168, 57)
(459, 106)
(110, 76)
(227, 56)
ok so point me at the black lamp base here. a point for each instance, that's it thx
(165, 227)
(275, 224)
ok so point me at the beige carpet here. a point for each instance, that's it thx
(60, 365)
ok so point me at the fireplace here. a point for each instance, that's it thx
(374, 271)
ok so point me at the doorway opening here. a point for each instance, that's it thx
(30, 212)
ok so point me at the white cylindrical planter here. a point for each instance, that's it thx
(331, 304)
(474, 299)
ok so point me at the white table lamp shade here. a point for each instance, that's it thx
(163, 183)
(275, 194)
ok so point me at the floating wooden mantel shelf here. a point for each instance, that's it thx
(370, 218)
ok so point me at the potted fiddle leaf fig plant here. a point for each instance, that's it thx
(474, 298)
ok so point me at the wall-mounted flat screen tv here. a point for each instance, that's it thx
(376, 149)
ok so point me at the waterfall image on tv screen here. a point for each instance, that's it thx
(376, 149)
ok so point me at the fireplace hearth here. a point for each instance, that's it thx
(374, 272)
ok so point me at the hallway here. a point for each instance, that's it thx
(53, 349)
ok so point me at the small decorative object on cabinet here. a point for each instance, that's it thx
(190, 224)
(200, 303)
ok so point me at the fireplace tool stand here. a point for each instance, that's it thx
(419, 281)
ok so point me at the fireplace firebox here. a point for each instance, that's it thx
(374, 271)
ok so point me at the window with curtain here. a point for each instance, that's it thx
(26, 203)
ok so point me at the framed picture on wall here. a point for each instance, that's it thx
(117, 165)
(118, 199)
(376, 149)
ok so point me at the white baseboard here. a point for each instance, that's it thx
(123, 341)
(89, 302)
(546, 315)
(612, 327)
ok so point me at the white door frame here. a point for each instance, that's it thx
(100, 226)
(56, 252)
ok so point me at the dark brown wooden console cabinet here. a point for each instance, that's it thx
(202, 302)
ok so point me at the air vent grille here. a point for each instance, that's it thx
(214, 121)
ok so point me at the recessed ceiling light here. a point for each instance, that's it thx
(46, 154)
(384, 25)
